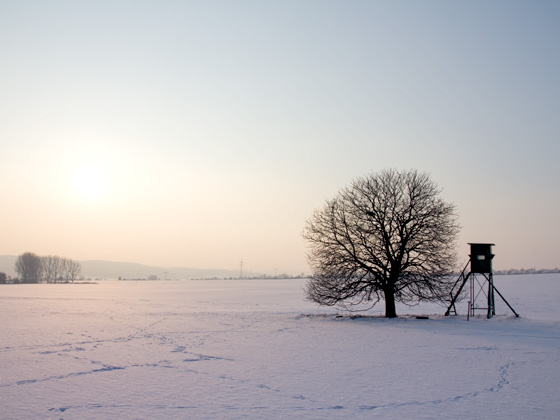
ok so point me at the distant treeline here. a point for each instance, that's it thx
(528, 271)
(32, 268)
(259, 277)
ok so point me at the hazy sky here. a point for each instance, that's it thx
(200, 133)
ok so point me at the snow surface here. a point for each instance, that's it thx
(254, 349)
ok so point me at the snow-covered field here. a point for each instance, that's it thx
(254, 349)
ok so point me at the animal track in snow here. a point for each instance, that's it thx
(501, 383)
(201, 357)
(105, 368)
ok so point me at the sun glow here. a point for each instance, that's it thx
(90, 182)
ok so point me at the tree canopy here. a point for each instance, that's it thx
(388, 236)
(51, 269)
(28, 266)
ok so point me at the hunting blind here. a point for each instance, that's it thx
(478, 272)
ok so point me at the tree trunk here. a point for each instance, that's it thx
(390, 309)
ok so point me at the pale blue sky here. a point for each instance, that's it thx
(217, 127)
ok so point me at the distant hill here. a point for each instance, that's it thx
(98, 269)
(7, 263)
(112, 269)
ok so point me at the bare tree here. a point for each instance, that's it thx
(52, 268)
(3, 278)
(28, 266)
(65, 266)
(388, 236)
(73, 270)
(58, 269)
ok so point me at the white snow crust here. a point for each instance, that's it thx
(254, 349)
